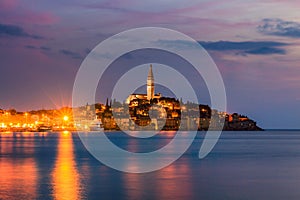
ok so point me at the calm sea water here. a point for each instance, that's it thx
(243, 165)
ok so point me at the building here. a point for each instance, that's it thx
(150, 95)
(149, 110)
(150, 84)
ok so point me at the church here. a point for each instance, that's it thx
(167, 115)
(150, 90)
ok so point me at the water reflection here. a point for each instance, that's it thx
(65, 175)
(175, 181)
(172, 182)
(242, 165)
(18, 179)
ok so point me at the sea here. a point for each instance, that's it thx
(242, 165)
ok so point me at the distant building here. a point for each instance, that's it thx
(150, 84)
(152, 111)
(140, 108)
(150, 90)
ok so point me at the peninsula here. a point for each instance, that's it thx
(148, 111)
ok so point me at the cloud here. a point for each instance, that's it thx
(178, 43)
(43, 48)
(8, 4)
(30, 47)
(229, 45)
(280, 27)
(21, 12)
(144, 6)
(15, 31)
(266, 51)
(239, 48)
(247, 47)
(71, 54)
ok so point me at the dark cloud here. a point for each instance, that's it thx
(182, 44)
(44, 48)
(12, 30)
(71, 54)
(280, 27)
(15, 31)
(247, 47)
(266, 51)
(30, 47)
(228, 45)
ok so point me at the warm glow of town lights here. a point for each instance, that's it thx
(144, 112)
(66, 118)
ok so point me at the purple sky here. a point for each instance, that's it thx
(254, 43)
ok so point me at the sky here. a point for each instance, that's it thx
(255, 45)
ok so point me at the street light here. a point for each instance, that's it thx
(66, 118)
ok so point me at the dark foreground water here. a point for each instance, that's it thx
(243, 165)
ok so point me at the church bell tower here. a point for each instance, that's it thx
(150, 84)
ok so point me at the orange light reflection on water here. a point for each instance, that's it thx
(170, 177)
(65, 175)
(17, 173)
(172, 181)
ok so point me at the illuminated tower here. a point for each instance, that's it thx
(150, 84)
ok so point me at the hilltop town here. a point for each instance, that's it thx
(170, 114)
(148, 111)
